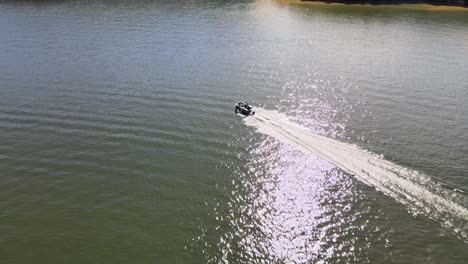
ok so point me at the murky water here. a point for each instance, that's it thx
(119, 143)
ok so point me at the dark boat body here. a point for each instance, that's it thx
(244, 108)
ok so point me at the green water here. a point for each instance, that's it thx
(119, 143)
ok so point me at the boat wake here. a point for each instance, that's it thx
(418, 192)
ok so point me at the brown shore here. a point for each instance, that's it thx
(395, 4)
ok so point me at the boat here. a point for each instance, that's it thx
(244, 108)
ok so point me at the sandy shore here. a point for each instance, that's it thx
(426, 7)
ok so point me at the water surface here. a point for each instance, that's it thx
(119, 143)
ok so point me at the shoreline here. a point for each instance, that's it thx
(414, 6)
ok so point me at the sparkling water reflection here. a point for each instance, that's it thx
(295, 208)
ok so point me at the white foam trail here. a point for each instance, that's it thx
(408, 187)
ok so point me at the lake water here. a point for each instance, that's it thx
(119, 142)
